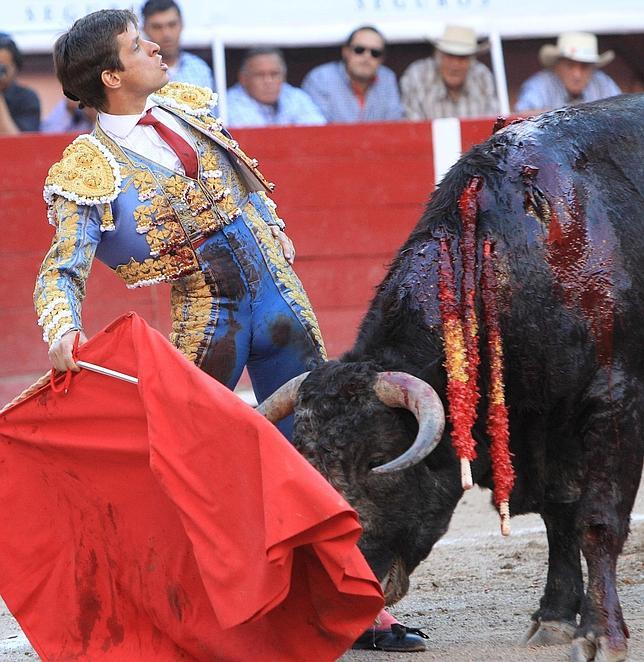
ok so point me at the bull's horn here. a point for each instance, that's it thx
(399, 389)
(281, 403)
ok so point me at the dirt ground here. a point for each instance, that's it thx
(474, 595)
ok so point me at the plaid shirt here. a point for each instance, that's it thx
(545, 91)
(425, 96)
(192, 69)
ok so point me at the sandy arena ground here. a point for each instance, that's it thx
(474, 595)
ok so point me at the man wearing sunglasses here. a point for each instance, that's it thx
(358, 88)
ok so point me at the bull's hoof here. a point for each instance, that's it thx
(598, 650)
(549, 633)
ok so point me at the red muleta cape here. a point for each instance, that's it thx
(170, 521)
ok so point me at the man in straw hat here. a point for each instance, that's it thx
(571, 76)
(452, 83)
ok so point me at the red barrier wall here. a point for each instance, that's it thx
(350, 194)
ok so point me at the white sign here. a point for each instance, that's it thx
(37, 23)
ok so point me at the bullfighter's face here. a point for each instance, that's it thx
(143, 71)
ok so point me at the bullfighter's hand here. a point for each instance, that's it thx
(287, 245)
(60, 353)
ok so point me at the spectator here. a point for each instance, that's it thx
(359, 88)
(452, 83)
(262, 97)
(163, 24)
(68, 116)
(571, 75)
(19, 106)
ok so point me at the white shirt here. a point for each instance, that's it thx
(144, 140)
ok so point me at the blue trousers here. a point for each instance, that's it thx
(247, 308)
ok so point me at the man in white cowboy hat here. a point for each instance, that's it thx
(452, 83)
(571, 76)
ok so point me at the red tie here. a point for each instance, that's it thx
(180, 147)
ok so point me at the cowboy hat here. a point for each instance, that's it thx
(458, 40)
(577, 46)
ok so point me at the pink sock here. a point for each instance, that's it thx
(384, 620)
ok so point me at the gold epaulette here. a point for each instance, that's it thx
(87, 174)
(190, 99)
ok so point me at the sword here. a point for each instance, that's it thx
(101, 370)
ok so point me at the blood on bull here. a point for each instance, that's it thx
(515, 306)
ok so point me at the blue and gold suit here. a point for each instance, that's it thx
(235, 300)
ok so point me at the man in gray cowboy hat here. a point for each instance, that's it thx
(571, 76)
(452, 83)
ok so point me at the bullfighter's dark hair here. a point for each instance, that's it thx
(87, 49)
(7, 43)
(262, 50)
(360, 29)
(152, 7)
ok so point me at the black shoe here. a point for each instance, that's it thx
(399, 639)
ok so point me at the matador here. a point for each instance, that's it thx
(200, 220)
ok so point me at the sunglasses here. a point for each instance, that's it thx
(376, 53)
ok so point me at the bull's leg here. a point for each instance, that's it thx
(614, 450)
(555, 620)
(602, 633)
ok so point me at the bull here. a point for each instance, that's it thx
(551, 209)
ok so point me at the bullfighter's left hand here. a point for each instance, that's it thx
(286, 244)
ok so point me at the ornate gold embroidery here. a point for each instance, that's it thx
(144, 183)
(211, 121)
(285, 275)
(165, 238)
(184, 94)
(84, 174)
(58, 307)
(143, 217)
(142, 179)
(176, 186)
(213, 128)
(196, 200)
(194, 313)
(210, 162)
(159, 269)
(107, 223)
(161, 210)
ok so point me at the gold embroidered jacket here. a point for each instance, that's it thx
(137, 216)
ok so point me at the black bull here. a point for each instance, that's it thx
(560, 202)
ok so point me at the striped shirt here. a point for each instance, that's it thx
(545, 91)
(426, 97)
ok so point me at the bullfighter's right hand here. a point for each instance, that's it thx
(61, 352)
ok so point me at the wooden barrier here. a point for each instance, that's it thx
(350, 194)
